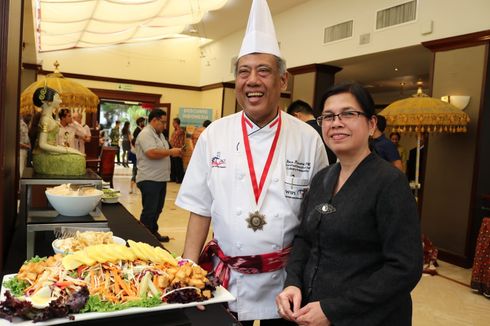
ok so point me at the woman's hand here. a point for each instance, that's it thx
(291, 294)
(311, 315)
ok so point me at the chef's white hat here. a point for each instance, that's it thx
(260, 36)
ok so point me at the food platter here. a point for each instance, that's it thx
(220, 295)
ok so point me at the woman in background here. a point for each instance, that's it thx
(126, 143)
(358, 253)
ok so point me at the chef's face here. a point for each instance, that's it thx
(258, 86)
(346, 136)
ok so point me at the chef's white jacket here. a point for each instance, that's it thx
(217, 184)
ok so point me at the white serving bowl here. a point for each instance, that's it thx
(74, 205)
(57, 249)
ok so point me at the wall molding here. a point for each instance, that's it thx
(460, 41)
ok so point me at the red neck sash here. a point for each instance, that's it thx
(258, 187)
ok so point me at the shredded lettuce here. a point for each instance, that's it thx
(16, 286)
(95, 304)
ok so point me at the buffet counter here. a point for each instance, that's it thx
(123, 225)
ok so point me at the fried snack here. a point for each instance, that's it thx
(82, 240)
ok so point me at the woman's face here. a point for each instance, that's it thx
(347, 136)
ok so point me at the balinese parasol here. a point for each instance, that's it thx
(421, 113)
(73, 95)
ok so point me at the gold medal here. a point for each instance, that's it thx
(256, 221)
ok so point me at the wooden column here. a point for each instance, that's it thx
(310, 82)
(10, 57)
(457, 173)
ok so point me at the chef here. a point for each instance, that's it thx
(247, 176)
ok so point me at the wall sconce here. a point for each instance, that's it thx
(459, 101)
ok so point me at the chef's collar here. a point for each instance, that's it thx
(253, 128)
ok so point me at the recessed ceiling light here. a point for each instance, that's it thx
(396, 69)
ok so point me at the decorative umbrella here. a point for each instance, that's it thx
(73, 95)
(421, 113)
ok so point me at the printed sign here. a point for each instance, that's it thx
(194, 116)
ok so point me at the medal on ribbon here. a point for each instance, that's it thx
(256, 220)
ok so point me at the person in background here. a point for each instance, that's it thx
(153, 156)
(82, 132)
(198, 131)
(115, 136)
(140, 124)
(126, 143)
(383, 147)
(303, 111)
(358, 253)
(178, 141)
(66, 133)
(24, 142)
(247, 176)
(395, 139)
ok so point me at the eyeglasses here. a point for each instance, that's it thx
(343, 116)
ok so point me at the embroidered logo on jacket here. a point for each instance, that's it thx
(218, 162)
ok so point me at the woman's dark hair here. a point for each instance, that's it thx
(43, 94)
(125, 129)
(357, 90)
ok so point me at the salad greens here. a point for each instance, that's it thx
(16, 286)
(94, 303)
(35, 259)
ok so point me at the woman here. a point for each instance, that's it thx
(358, 252)
(49, 157)
(126, 143)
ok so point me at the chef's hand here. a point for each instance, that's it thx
(291, 294)
(311, 315)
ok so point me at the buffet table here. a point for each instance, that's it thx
(123, 225)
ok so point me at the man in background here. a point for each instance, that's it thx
(24, 142)
(383, 146)
(115, 136)
(140, 124)
(153, 156)
(82, 132)
(303, 111)
(66, 134)
(178, 141)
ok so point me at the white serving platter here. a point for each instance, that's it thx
(220, 295)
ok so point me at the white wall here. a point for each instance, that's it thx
(300, 31)
(167, 61)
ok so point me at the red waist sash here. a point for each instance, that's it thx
(253, 264)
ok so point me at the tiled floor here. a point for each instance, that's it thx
(437, 300)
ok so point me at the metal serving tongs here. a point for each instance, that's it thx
(81, 187)
(70, 231)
